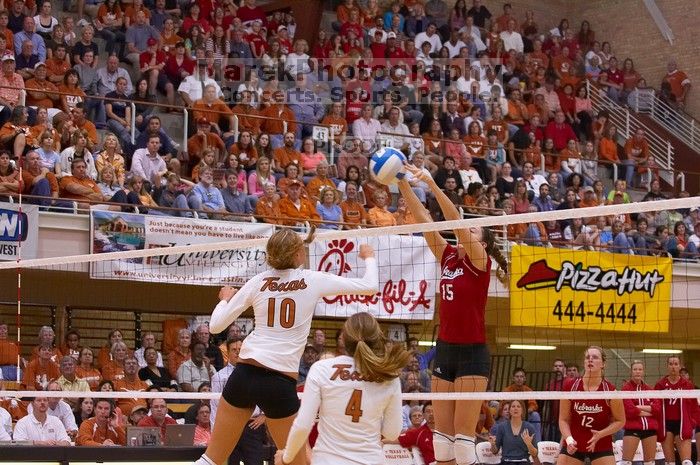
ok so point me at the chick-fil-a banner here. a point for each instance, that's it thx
(407, 277)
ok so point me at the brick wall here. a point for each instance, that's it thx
(640, 39)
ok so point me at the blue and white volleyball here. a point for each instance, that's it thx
(387, 165)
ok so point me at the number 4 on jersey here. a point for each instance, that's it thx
(354, 407)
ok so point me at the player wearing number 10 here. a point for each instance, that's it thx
(283, 301)
(356, 396)
(587, 425)
(462, 360)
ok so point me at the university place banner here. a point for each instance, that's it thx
(407, 276)
(18, 230)
(576, 289)
(116, 231)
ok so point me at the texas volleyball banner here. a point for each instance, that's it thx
(408, 273)
(576, 289)
(116, 231)
(19, 231)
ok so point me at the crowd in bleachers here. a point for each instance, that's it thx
(474, 98)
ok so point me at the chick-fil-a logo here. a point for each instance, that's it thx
(392, 294)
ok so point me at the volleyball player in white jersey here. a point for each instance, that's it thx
(283, 301)
(357, 398)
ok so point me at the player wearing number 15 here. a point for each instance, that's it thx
(462, 360)
(283, 301)
(587, 425)
(357, 398)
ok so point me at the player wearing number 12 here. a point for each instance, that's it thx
(283, 301)
(357, 398)
(587, 425)
(462, 360)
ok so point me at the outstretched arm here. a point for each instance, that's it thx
(474, 249)
(435, 241)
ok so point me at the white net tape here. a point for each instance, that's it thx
(490, 395)
(487, 221)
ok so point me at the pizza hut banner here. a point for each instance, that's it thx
(117, 231)
(407, 277)
(576, 289)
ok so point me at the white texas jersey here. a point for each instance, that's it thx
(353, 415)
(284, 302)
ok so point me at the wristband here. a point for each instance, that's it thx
(570, 441)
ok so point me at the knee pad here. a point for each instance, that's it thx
(443, 446)
(465, 449)
(204, 460)
(625, 462)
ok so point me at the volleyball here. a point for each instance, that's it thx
(387, 165)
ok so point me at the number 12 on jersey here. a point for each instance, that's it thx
(287, 310)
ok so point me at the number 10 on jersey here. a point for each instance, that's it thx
(287, 312)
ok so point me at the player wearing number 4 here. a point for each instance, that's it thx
(283, 301)
(357, 398)
(462, 360)
(587, 425)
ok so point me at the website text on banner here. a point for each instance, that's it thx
(18, 228)
(407, 277)
(116, 231)
(578, 289)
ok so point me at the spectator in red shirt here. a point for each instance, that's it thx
(152, 62)
(614, 80)
(179, 65)
(559, 131)
(159, 417)
(352, 24)
(422, 437)
(249, 12)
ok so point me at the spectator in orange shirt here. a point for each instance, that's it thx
(130, 382)
(113, 370)
(638, 156)
(9, 351)
(319, 181)
(40, 371)
(100, 430)
(246, 113)
(294, 209)
(181, 353)
(203, 140)
(215, 111)
(47, 337)
(273, 116)
(79, 186)
(285, 155)
(353, 211)
(679, 82)
(608, 149)
(518, 385)
(267, 208)
(379, 215)
(57, 66)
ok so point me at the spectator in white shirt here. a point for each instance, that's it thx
(40, 427)
(469, 31)
(148, 339)
(192, 88)
(431, 36)
(147, 163)
(396, 129)
(421, 188)
(5, 424)
(366, 128)
(512, 40)
(60, 409)
(455, 44)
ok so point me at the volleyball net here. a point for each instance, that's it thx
(618, 276)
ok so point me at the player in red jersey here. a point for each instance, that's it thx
(462, 360)
(641, 423)
(587, 425)
(677, 415)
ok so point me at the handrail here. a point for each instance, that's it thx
(661, 149)
(677, 122)
(243, 217)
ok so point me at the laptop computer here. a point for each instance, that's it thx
(139, 436)
(179, 435)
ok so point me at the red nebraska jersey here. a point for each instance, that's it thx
(672, 407)
(632, 418)
(589, 415)
(463, 292)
